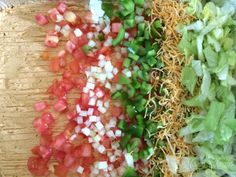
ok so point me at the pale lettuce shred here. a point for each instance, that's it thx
(209, 46)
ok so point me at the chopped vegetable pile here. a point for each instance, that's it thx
(106, 62)
(146, 89)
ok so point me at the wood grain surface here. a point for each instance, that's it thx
(24, 78)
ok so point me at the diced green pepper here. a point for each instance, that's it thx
(122, 125)
(136, 84)
(145, 88)
(119, 37)
(125, 140)
(130, 172)
(140, 120)
(136, 131)
(131, 91)
(146, 66)
(86, 49)
(130, 111)
(129, 23)
(124, 80)
(157, 24)
(101, 37)
(152, 61)
(140, 104)
(133, 146)
(127, 63)
(116, 95)
(133, 56)
(151, 53)
(128, 7)
(139, 2)
(141, 28)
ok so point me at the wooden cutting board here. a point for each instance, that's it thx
(24, 78)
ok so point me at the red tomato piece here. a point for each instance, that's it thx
(84, 100)
(55, 66)
(59, 141)
(106, 142)
(86, 150)
(70, 47)
(40, 106)
(82, 40)
(37, 166)
(47, 118)
(61, 105)
(71, 115)
(41, 19)
(61, 7)
(79, 82)
(46, 140)
(116, 111)
(62, 62)
(52, 13)
(115, 27)
(74, 66)
(51, 41)
(45, 152)
(67, 84)
(78, 54)
(35, 150)
(67, 74)
(61, 170)
(41, 126)
(73, 38)
(69, 160)
(60, 156)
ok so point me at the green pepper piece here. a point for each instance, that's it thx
(130, 172)
(152, 61)
(136, 84)
(140, 120)
(129, 23)
(101, 37)
(130, 111)
(140, 104)
(86, 49)
(141, 28)
(116, 95)
(122, 125)
(126, 62)
(131, 91)
(107, 6)
(157, 24)
(133, 56)
(136, 131)
(125, 140)
(124, 80)
(146, 34)
(145, 88)
(128, 7)
(151, 53)
(146, 66)
(133, 146)
(139, 2)
(119, 37)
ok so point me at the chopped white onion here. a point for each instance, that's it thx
(118, 86)
(100, 94)
(172, 163)
(90, 85)
(78, 32)
(65, 30)
(102, 132)
(87, 123)
(77, 129)
(99, 125)
(83, 113)
(59, 18)
(108, 66)
(90, 35)
(112, 158)
(115, 71)
(94, 118)
(108, 85)
(92, 101)
(95, 145)
(57, 28)
(70, 16)
(91, 93)
(101, 57)
(97, 138)
(129, 159)
(102, 77)
(99, 103)
(86, 131)
(126, 35)
(101, 165)
(118, 133)
(101, 149)
(80, 170)
(110, 134)
(90, 140)
(107, 29)
(85, 90)
(91, 43)
(73, 137)
(110, 76)
(79, 120)
(118, 153)
(107, 104)
(102, 109)
(78, 109)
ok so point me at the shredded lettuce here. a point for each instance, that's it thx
(209, 46)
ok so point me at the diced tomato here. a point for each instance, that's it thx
(69, 160)
(61, 7)
(79, 82)
(41, 126)
(70, 46)
(61, 54)
(37, 166)
(35, 150)
(132, 32)
(67, 74)
(51, 41)
(116, 111)
(52, 13)
(48, 118)
(46, 140)
(78, 54)
(40, 106)
(88, 17)
(45, 152)
(73, 38)
(61, 170)
(60, 156)
(82, 40)
(41, 19)
(55, 67)
(86, 150)
(59, 141)
(74, 66)
(62, 62)
(60, 105)
(67, 84)
(106, 142)
(115, 27)
(71, 115)
(84, 100)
